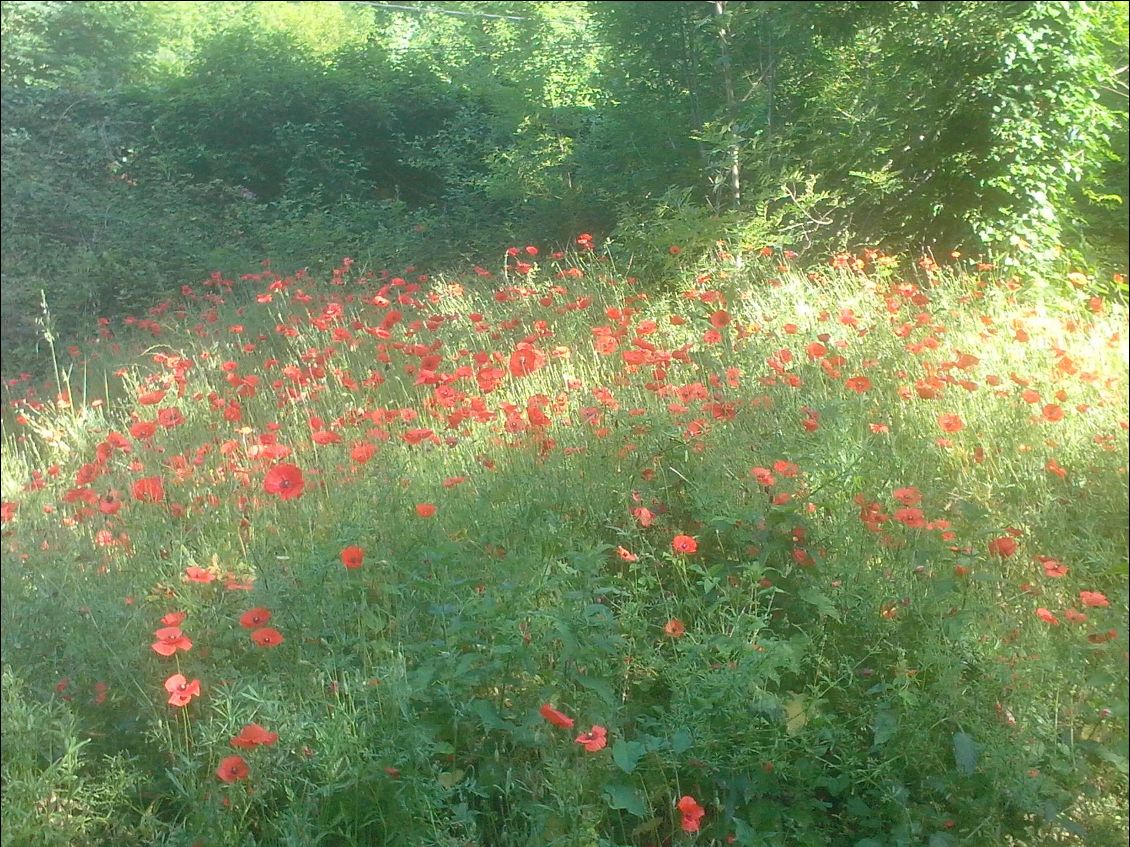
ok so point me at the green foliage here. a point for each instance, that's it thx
(987, 158)
(61, 45)
(54, 793)
(849, 94)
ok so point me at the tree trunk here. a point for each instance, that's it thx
(731, 105)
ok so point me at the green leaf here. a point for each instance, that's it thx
(621, 796)
(681, 741)
(886, 725)
(488, 714)
(627, 754)
(598, 613)
(966, 752)
(652, 743)
(1111, 757)
(796, 715)
(450, 779)
(599, 687)
(821, 602)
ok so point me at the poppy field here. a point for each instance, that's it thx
(540, 553)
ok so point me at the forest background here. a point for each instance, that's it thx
(146, 144)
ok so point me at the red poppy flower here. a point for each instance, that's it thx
(143, 430)
(950, 422)
(233, 769)
(425, 510)
(556, 717)
(763, 476)
(1093, 598)
(361, 453)
(181, 691)
(675, 628)
(352, 557)
(644, 515)
(858, 384)
(536, 416)
(912, 517)
(169, 640)
(1003, 547)
(252, 736)
(254, 618)
(267, 637)
(149, 489)
(594, 740)
(285, 480)
(684, 544)
(1054, 569)
(196, 574)
(174, 618)
(1047, 617)
(692, 813)
(420, 435)
(908, 496)
(525, 360)
(719, 318)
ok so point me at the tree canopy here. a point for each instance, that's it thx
(139, 134)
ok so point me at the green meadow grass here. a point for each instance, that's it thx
(760, 556)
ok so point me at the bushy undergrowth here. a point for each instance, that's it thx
(532, 556)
